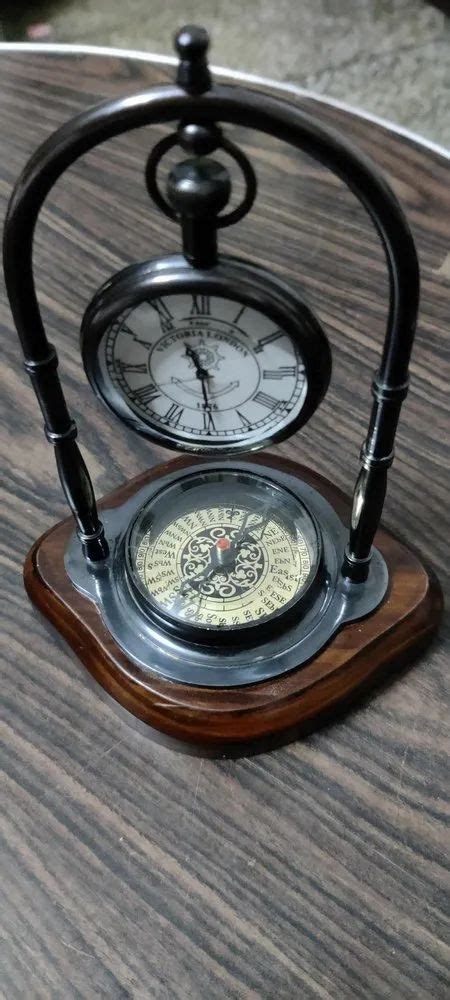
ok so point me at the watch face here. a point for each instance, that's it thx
(225, 360)
(224, 552)
(204, 369)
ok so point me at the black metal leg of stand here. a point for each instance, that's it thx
(377, 455)
(61, 431)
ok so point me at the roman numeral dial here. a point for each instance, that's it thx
(147, 393)
(202, 371)
(126, 367)
(201, 305)
(270, 338)
(263, 398)
(174, 414)
(164, 314)
(284, 371)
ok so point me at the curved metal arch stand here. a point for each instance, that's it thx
(284, 121)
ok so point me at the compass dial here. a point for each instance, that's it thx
(223, 551)
(205, 369)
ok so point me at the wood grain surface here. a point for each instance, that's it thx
(130, 870)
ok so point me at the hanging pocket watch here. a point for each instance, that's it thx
(222, 358)
(221, 597)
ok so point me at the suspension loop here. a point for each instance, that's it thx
(179, 139)
(151, 179)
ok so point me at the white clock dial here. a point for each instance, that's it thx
(205, 368)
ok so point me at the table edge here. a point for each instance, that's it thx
(61, 48)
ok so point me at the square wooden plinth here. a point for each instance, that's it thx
(272, 711)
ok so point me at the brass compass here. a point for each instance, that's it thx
(223, 552)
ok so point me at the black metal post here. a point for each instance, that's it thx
(377, 455)
(197, 190)
(61, 432)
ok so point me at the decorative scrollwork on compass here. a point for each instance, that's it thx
(214, 567)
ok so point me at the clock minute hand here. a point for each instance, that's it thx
(206, 403)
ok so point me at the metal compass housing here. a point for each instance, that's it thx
(160, 619)
(221, 554)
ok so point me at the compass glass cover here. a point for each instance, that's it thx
(202, 369)
(222, 550)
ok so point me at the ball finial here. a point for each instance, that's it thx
(191, 44)
(198, 188)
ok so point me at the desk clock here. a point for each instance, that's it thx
(222, 598)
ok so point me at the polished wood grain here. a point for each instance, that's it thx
(130, 870)
(245, 718)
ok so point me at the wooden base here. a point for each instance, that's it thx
(277, 710)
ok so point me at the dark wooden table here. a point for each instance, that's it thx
(130, 870)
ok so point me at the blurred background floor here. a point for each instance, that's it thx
(389, 57)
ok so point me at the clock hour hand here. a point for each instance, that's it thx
(192, 354)
(200, 372)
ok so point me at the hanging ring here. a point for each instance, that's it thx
(236, 154)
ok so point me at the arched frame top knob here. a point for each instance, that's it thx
(191, 44)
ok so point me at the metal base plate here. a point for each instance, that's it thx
(337, 602)
(254, 716)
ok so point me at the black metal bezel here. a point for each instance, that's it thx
(231, 278)
(235, 635)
